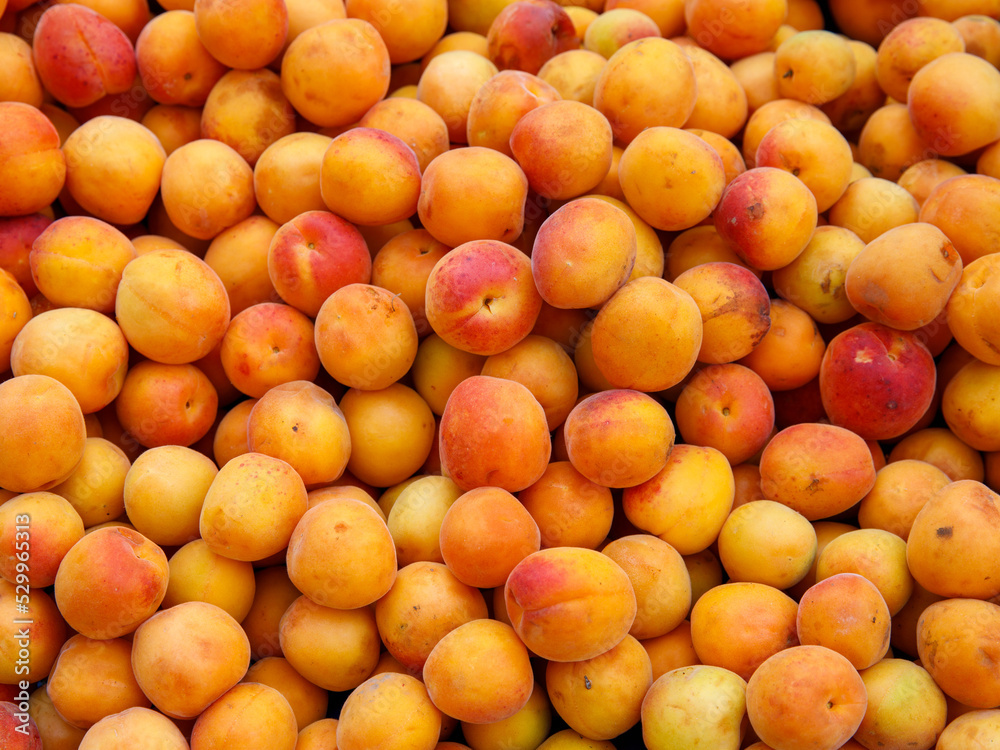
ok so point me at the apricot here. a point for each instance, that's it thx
(814, 281)
(412, 121)
(389, 710)
(163, 404)
(198, 574)
(299, 423)
(449, 84)
(721, 104)
(875, 380)
(51, 726)
(133, 727)
(950, 205)
(273, 594)
(851, 110)
(813, 151)
(365, 337)
(45, 633)
(957, 516)
(335, 649)
(81, 56)
(268, 344)
(182, 675)
(806, 695)
(113, 168)
(817, 469)
(55, 528)
(969, 728)
(472, 193)
(439, 367)
(16, 315)
(79, 261)
(407, 37)
(232, 520)
(247, 713)
(670, 339)
(477, 452)
(630, 90)
(660, 580)
(526, 33)
(897, 295)
(453, 668)
(956, 646)
(726, 407)
(878, 555)
(967, 404)
(82, 349)
(23, 84)
(529, 725)
(263, 27)
(569, 271)
(738, 625)
(246, 109)
(766, 542)
(552, 593)
(756, 75)
(370, 177)
(671, 178)
(947, 102)
(206, 186)
(687, 501)
(89, 601)
(173, 64)
(768, 115)
(968, 311)
(91, 679)
(95, 488)
(845, 613)
(791, 352)
(603, 437)
(901, 489)
(557, 133)
(942, 448)
(484, 534)
(44, 436)
(694, 703)
(767, 216)
(814, 66)
(905, 706)
(569, 509)
(695, 246)
(345, 527)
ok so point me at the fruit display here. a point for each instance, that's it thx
(499, 374)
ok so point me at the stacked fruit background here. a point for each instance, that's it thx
(442, 374)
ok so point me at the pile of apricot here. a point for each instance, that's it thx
(499, 374)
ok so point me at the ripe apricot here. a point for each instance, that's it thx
(45, 435)
(947, 102)
(731, 29)
(630, 90)
(767, 216)
(587, 608)
(950, 205)
(231, 521)
(901, 489)
(569, 509)
(738, 625)
(878, 555)
(823, 707)
(262, 28)
(449, 85)
(79, 261)
(387, 709)
(814, 66)
(955, 643)
(671, 178)
(816, 469)
(174, 65)
(767, 542)
(426, 602)
(472, 193)
(845, 613)
(131, 727)
(206, 186)
(687, 501)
